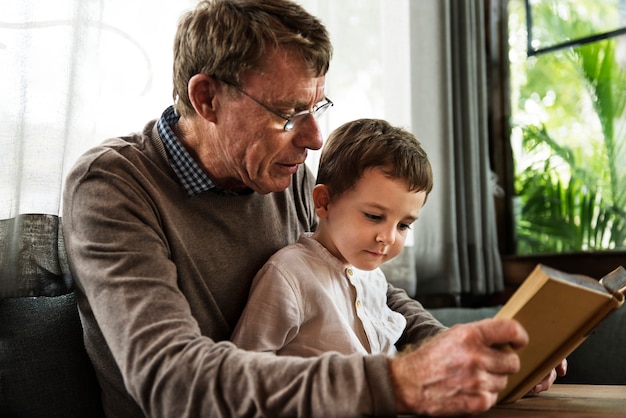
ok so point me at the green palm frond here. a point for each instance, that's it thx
(572, 189)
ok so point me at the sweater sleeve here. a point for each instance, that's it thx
(153, 355)
(420, 324)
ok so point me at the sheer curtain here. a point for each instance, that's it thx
(370, 77)
(73, 73)
(76, 72)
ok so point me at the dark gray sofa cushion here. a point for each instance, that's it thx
(44, 369)
(598, 360)
(451, 316)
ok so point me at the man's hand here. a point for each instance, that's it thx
(459, 371)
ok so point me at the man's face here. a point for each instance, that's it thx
(254, 143)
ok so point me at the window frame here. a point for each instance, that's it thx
(516, 267)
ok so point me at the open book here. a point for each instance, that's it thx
(558, 310)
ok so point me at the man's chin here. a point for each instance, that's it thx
(278, 185)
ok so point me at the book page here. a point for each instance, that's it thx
(577, 279)
(615, 281)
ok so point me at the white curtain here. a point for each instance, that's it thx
(75, 72)
(370, 77)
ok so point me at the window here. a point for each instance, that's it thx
(567, 95)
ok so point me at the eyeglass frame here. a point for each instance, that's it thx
(318, 109)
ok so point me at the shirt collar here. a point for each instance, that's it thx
(192, 177)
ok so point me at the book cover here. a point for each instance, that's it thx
(558, 310)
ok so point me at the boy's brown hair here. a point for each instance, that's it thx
(373, 143)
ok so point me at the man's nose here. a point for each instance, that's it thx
(307, 133)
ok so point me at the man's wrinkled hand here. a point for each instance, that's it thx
(459, 371)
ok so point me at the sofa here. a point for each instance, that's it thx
(44, 368)
(45, 371)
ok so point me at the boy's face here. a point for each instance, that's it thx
(368, 224)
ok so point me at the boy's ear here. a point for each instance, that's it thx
(201, 89)
(321, 199)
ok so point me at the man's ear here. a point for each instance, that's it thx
(201, 89)
(321, 199)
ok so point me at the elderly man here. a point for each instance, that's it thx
(166, 228)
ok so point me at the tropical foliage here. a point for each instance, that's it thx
(570, 125)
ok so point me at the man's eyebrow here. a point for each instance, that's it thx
(297, 103)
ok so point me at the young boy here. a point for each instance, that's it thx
(327, 292)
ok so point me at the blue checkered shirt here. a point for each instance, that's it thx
(192, 177)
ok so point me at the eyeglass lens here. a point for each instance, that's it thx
(317, 112)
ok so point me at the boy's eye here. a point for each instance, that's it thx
(404, 227)
(373, 217)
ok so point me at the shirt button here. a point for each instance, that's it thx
(358, 303)
(349, 271)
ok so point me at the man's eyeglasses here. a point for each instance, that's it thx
(290, 120)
